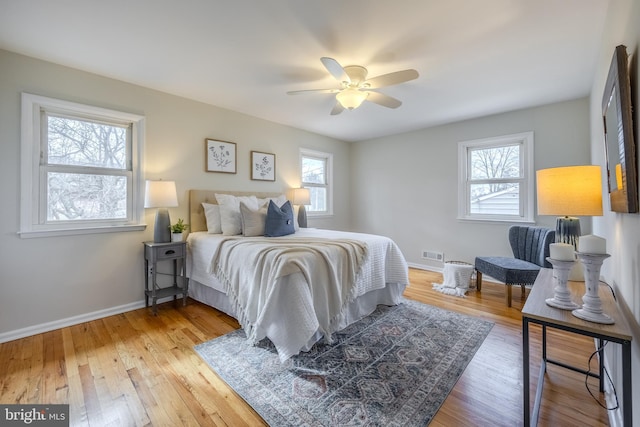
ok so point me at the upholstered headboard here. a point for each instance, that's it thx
(197, 221)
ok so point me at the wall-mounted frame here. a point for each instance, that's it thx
(220, 156)
(620, 148)
(263, 166)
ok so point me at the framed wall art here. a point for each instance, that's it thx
(220, 155)
(620, 148)
(263, 166)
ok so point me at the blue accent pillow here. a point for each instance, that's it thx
(279, 220)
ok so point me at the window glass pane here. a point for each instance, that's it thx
(85, 143)
(313, 170)
(495, 199)
(84, 197)
(318, 199)
(499, 162)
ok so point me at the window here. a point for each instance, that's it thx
(316, 175)
(80, 168)
(496, 178)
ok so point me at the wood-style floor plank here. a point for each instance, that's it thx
(138, 369)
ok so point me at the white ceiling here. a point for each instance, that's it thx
(474, 57)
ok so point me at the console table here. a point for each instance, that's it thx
(537, 311)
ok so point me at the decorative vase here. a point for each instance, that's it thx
(176, 237)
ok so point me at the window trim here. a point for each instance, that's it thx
(526, 140)
(328, 157)
(30, 180)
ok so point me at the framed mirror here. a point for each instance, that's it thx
(620, 147)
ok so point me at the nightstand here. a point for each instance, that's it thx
(155, 253)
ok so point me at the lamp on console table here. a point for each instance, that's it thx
(570, 191)
(302, 197)
(161, 195)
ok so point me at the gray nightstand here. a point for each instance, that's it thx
(155, 253)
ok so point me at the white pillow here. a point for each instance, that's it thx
(253, 220)
(212, 215)
(279, 201)
(231, 220)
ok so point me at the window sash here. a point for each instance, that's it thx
(324, 184)
(524, 182)
(35, 168)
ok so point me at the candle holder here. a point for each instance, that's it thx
(561, 295)
(592, 308)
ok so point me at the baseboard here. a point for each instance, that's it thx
(70, 321)
(425, 267)
(485, 278)
(615, 416)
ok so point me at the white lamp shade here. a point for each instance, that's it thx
(351, 98)
(160, 194)
(301, 196)
(570, 191)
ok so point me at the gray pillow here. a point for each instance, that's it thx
(279, 220)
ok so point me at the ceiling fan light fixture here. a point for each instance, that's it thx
(351, 98)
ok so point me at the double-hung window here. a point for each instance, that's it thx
(81, 168)
(316, 175)
(495, 180)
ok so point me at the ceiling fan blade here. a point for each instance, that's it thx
(298, 92)
(337, 109)
(392, 79)
(384, 100)
(335, 69)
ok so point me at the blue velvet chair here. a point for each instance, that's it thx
(530, 246)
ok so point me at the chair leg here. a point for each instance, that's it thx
(508, 296)
(523, 290)
(478, 281)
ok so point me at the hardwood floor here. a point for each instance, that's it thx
(137, 369)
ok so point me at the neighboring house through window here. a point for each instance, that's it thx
(316, 175)
(81, 168)
(495, 180)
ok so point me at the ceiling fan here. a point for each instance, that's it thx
(355, 88)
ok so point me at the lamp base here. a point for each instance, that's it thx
(568, 230)
(162, 230)
(302, 217)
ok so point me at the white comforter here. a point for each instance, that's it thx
(291, 305)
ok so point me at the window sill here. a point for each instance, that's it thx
(496, 220)
(76, 231)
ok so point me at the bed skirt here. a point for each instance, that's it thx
(356, 310)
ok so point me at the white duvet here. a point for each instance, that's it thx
(292, 302)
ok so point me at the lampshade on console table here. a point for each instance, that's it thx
(569, 192)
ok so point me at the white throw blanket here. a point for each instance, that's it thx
(456, 279)
(250, 269)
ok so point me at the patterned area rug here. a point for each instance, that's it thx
(393, 368)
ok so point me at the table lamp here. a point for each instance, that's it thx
(161, 195)
(569, 192)
(302, 197)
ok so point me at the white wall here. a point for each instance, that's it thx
(50, 279)
(405, 186)
(622, 231)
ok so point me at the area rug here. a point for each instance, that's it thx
(393, 368)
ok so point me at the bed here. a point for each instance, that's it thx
(294, 289)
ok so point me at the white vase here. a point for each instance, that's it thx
(176, 237)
